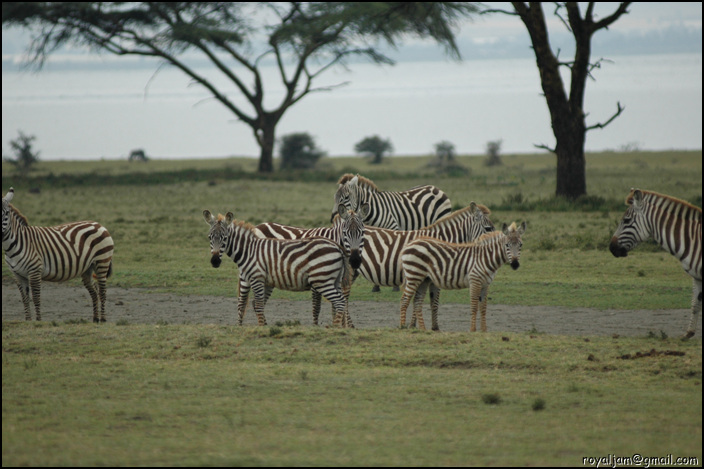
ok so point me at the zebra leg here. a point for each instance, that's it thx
(696, 308)
(474, 294)
(409, 291)
(102, 273)
(90, 286)
(23, 286)
(242, 297)
(35, 285)
(434, 305)
(346, 286)
(418, 304)
(316, 305)
(260, 297)
(482, 306)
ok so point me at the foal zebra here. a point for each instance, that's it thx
(407, 210)
(347, 231)
(55, 254)
(452, 266)
(265, 264)
(381, 259)
(676, 225)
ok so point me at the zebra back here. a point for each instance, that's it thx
(405, 210)
(453, 266)
(674, 224)
(59, 252)
(286, 264)
(381, 258)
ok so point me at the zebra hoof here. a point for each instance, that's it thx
(96, 320)
(376, 289)
(688, 335)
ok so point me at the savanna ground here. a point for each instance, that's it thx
(582, 358)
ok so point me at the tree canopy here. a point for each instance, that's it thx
(303, 40)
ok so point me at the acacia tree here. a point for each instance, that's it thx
(374, 146)
(566, 110)
(302, 39)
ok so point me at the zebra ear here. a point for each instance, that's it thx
(474, 208)
(10, 194)
(637, 198)
(353, 181)
(229, 218)
(342, 211)
(208, 217)
(522, 228)
(504, 228)
(364, 210)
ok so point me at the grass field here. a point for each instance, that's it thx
(79, 394)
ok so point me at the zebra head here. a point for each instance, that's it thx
(352, 229)
(513, 243)
(218, 235)
(6, 211)
(632, 229)
(349, 195)
(480, 222)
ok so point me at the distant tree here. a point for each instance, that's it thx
(302, 39)
(375, 147)
(138, 155)
(299, 151)
(567, 114)
(25, 157)
(493, 148)
(445, 161)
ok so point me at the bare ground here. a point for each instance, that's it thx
(136, 306)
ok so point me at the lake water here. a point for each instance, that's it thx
(106, 114)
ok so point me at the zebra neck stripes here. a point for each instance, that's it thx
(675, 224)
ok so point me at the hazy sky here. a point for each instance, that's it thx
(448, 101)
(652, 27)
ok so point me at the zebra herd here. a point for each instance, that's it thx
(409, 238)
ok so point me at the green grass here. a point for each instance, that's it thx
(124, 394)
(212, 395)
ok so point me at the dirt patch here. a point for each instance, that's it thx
(67, 302)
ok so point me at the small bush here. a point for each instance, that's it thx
(538, 404)
(204, 341)
(491, 398)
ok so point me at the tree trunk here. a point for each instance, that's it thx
(266, 137)
(571, 166)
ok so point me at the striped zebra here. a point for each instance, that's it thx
(429, 261)
(55, 254)
(407, 210)
(676, 225)
(265, 264)
(347, 230)
(381, 259)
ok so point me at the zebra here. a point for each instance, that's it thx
(55, 254)
(407, 210)
(347, 230)
(429, 261)
(381, 259)
(676, 225)
(265, 263)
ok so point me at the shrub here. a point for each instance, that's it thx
(375, 147)
(299, 151)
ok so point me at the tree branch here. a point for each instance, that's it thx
(601, 125)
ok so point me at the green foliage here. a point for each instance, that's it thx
(375, 147)
(25, 156)
(299, 151)
(445, 161)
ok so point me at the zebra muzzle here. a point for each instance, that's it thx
(515, 264)
(355, 259)
(616, 249)
(215, 261)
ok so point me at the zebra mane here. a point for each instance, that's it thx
(696, 211)
(239, 223)
(18, 214)
(361, 180)
(461, 213)
(488, 238)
